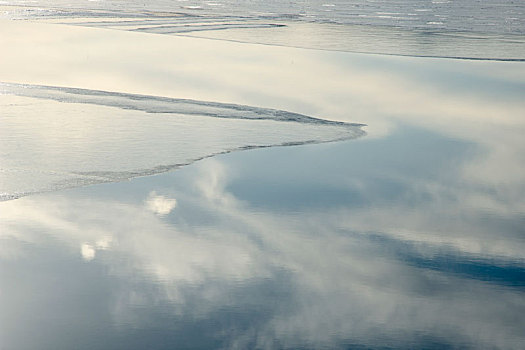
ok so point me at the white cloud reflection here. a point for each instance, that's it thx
(88, 251)
(340, 286)
(160, 205)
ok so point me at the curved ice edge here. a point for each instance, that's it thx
(100, 97)
(467, 58)
(90, 178)
(159, 104)
(174, 29)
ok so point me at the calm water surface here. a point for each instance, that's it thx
(367, 243)
(409, 237)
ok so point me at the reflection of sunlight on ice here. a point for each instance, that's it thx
(160, 205)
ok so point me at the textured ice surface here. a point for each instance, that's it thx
(494, 16)
(452, 29)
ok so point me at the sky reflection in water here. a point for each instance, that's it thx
(410, 237)
(329, 245)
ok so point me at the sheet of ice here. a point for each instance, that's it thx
(53, 138)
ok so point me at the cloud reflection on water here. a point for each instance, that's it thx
(337, 283)
(160, 205)
(397, 254)
(476, 101)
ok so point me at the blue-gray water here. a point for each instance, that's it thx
(286, 198)
(345, 245)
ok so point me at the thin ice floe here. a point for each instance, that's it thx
(55, 137)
